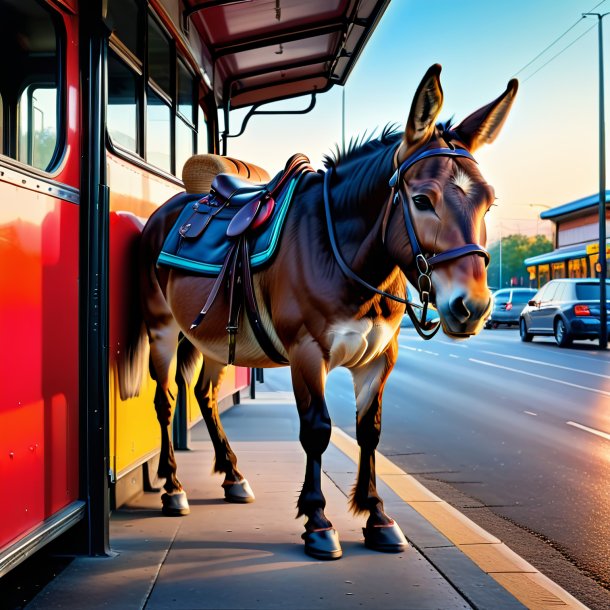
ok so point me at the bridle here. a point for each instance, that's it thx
(424, 264)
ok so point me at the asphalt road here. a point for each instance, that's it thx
(523, 429)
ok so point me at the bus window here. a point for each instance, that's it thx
(577, 267)
(544, 274)
(122, 112)
(185, 119)
(152, 92)
(30, 101)
(533, 279)
(158, 132)
(184, 144)
(159, 57)
(559, 270)
(37, 126)
(203, 143)
(186, 93)
(124, 19)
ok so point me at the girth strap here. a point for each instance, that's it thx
(236, 273)
(237, 276)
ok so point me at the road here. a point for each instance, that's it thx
(523, 429)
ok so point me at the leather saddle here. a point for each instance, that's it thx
(215, 234)
(249, 205)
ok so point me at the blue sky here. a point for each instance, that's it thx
(547, 153)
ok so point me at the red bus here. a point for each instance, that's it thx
(101, 103)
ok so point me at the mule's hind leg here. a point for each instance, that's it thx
(206, 391)
(163, 336)
(308, 379)
(381, 532)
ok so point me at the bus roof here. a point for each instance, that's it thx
(265, 50)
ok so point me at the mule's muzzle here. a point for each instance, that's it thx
(463, 315)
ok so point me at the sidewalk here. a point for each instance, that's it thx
(229, 556)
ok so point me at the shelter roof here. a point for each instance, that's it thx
(265, 50)
(573, 206)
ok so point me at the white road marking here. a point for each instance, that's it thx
(417, 349)
(556, 366)
(591, 430)
(453, 343)
(572, 385)
(453, 356)
(531, 413)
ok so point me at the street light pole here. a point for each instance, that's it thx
(500, 270)
(603, 317)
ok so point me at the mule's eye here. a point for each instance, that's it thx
(423, 203)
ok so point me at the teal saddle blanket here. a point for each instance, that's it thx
(198, 241)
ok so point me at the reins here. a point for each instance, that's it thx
(424, 264)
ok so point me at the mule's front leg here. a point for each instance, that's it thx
(235, 486)
(308, 379)
(381, 532)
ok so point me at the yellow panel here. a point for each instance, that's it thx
(134, 430)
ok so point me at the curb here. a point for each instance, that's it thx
(509, 570)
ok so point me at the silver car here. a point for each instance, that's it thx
(507, 304)
(568, 309)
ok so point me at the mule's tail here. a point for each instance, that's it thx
(132, 349)
(133, 360)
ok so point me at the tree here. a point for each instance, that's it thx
(515, 249)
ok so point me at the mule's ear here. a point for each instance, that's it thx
(482, 126)
(426, 107)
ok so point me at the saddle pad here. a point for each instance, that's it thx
(206, 254)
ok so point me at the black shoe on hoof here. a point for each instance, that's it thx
(323, 544)
(239, 492)
(388, 539)
(175, 505)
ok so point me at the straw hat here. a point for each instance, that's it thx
(199, 171)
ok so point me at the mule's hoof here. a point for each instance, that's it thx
(323, 544)
(239, 492)
(175, 505)
(387, 538)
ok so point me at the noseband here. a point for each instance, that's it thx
(425, 264)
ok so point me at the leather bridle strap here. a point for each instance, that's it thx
(425, 331)
(337, 253)
(424, 264)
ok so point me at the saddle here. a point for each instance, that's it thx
(227, 233)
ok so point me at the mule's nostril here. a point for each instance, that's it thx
(459, 308)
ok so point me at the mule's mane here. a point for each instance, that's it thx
(367, 143)
(361, 145)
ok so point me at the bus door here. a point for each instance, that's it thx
(39, 272)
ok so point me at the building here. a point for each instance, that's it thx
(576, 241)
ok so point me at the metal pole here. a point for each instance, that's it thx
(500, 270)
(603, 316)
(93, 288)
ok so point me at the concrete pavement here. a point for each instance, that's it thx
(227, 556)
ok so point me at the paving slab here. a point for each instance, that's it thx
(229, 556)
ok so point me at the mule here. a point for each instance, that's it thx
(409, 205)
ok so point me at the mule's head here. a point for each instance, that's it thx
(447, 199)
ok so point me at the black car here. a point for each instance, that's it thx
(507, 305)
(568, 309)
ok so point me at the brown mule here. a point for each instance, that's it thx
(428, 227)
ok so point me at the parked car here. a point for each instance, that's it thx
(507, 305)
(567, 309)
